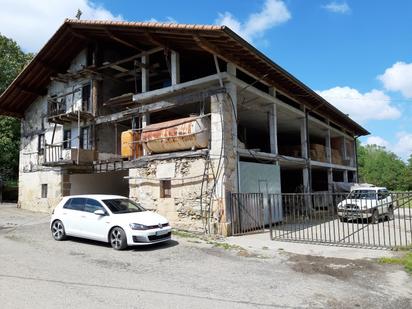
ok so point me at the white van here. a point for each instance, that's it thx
(366, 202)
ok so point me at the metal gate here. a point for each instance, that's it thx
(247, 213)
(376, 220)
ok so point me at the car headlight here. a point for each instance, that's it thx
(137, 226)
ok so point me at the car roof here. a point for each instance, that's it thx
(369, 188)
(97, 196)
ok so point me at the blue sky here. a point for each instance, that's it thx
(357, 54)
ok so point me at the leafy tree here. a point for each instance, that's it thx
(382, 167)
(12, 61)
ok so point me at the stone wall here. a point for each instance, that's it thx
(185, 208)
(30, 189)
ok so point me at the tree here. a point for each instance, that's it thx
(381, 167)
(12, 61)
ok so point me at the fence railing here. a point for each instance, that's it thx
(362, 218)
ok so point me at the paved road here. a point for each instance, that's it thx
(38, 272)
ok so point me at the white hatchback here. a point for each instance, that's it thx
(108, 218)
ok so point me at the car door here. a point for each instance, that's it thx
(95, 226)
(71, 216)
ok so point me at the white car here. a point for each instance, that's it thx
(108, 218)
(366, 202)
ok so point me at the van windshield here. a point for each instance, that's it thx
(362, 195)
(121, 206)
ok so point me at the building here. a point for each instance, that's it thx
(175, 116)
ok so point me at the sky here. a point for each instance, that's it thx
(356, 54)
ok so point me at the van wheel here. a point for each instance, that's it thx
(390, 214)
(118, 239)
(375, 217)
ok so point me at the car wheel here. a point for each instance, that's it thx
(118, 239)
(390, 214)
(375, 217)
(58, 231)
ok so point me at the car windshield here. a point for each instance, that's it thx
(362, 195)
(121, 206)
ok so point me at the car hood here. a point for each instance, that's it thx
(361, 203)
(143, 217)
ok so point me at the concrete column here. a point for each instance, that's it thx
(305, 155)
(223, 155)
(330, 179)
(145, 74)
(345, 176)
(303, 138)
(175, 67)
(273, 126)
(328, 146)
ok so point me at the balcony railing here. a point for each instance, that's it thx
(57, 155)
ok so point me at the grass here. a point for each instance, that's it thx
(405, 260)
(184, 234)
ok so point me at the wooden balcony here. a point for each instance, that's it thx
(57, 112)
(55, 155)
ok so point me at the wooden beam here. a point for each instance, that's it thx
(162, 93)
(131, 58)
(117, 39)
(177, 100)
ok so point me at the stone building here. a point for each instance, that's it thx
(175, 116)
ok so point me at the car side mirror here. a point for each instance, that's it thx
(99, 212)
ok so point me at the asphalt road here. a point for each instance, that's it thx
(38, 272)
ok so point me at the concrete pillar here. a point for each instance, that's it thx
(330, 179)
(175, 67)
(328, 146)
(223, 155)
(345, 176)
(303, 138)
(273, 126)
(305, 155)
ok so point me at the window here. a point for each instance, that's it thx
(119, 206)
(86, 98)
(44, 190)
(67, 136)
(165, 188)
(92, 205)
(85, 138)
(382, 194)
(40, 144)
(76, 203)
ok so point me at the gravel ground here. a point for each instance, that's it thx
(38, 272)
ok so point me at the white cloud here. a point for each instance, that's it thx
(398, 78)
(402, 146)
(377, 140)
(361, 107)
(273, 13)
(335, 7)
(32, 22)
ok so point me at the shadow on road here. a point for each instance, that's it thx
(149, 247)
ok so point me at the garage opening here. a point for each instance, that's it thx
(102, 183)
(291, 179)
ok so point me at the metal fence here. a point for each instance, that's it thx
(247, 213)
(363, 218)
